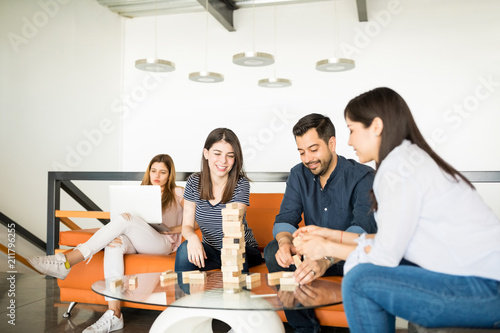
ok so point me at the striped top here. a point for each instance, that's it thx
(209, 217)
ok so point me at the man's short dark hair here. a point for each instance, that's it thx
(321, 123)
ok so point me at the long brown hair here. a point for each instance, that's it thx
(168, 195)
(236, 172)
(398, 122)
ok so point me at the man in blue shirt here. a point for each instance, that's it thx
(330, 191)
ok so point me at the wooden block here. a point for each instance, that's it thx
(198, 278)
(132, 282)
(232, 268)
(232, 256)
(235, 279)
(230, 274)
(231, 211)
(232, 224)
(288, 284)
(239, 284)
(229, 252)
(287, 274)
(232, 205)
(253, 277)
(232, 240)
(288, 280)
(170, 271)
(296, 260)
(274, 278)
(253, 284)
(232, 218)
(288, 287)
(239, 234)
(115, 284)
(239, 246)
(232, 262)
(185, 275)
(229, 227)
(275, 275)
(167, 282)
(169, 276)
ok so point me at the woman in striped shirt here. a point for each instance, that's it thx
(220, 181)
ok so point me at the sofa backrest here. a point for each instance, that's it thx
(261, 213)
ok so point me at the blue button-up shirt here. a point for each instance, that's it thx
(343, 204)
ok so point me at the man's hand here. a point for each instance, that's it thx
(287, 298)
(310, 270)
(285, 253)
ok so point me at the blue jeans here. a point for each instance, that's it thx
(374, 295)
(182, 264)
(301, 320)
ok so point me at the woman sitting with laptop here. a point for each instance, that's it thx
(221, 181)
(123, 235)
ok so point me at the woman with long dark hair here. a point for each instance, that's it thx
(123, 235)
(435, 259)
(221, 180)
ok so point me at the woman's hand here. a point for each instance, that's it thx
(314, 230)
(196, 252)
(314, 247)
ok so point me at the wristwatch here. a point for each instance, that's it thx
(331, 261)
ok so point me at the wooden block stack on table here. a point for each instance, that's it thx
(233, 248)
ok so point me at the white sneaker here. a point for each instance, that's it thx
(50, 265)
(107, 323)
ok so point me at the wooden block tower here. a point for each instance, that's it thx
(233, 248)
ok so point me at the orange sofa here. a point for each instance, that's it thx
(260, 216)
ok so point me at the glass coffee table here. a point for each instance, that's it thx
(191, 307)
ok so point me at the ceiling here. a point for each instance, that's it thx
(221, 10)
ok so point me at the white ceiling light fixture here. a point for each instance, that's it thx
(275, 82)
(253, 58)
(206, 76)
(155, 64)
(335, 64)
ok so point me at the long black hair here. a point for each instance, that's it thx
(398, 122)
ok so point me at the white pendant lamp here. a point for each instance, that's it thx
(155, 64)
(335, 64)
(206, 76)
(253, 58)
(275, 82)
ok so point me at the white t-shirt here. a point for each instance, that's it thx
(430, 219)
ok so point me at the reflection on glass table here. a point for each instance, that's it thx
(244, 309)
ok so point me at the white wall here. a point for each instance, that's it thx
(60, 65)
(441, 56)
(72, 74)
(437, 54)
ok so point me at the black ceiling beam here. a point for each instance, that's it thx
(362, 11)
(221, 12)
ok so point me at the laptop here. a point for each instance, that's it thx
(143, 201)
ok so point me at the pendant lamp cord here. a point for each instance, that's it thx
(275, 39)
(156, 30)
(336, 33)
(206, 37)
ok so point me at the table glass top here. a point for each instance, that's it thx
(149, 289)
